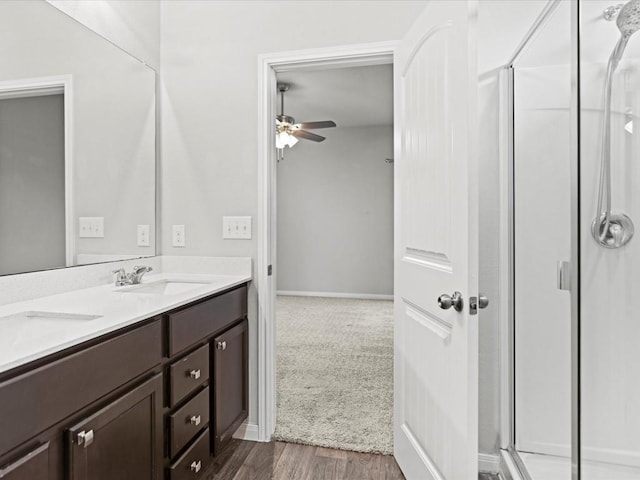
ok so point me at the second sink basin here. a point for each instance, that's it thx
(165, 287)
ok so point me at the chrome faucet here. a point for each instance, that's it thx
(138, 273)
(123, 278)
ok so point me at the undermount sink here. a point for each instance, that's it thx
(47, 317)
(165, 287)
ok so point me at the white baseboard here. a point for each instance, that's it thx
(361, 296)
(247, 431)
(488, 463)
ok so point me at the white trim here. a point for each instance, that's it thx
(508, 468)
(504, 248)
(47, 86)
(268, 65)
(248, 431)
(361, 296)
(489, 463)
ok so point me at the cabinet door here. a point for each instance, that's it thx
(122, 440)
(230, 360)
(34, 465)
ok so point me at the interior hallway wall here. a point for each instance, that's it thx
(210, 108)
(335, 213)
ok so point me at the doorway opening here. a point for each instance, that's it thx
(273, 68)
(334, 267)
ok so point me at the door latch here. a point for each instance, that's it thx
(481, 301)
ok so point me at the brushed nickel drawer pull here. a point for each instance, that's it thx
(85, 438)
(222, 345)
(195, 374)
(196, 466)
(195, 420)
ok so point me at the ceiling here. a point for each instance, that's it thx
(351, 97)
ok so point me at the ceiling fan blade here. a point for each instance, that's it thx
(307, 135)
(316, 125)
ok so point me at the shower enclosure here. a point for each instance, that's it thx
(574, 194)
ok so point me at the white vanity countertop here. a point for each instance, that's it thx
(23, 340)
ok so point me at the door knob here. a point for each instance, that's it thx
(445, 301)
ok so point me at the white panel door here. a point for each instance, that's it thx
(435, 351)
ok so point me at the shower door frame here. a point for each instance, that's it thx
(510, 461)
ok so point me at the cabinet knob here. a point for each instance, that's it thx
(85, 438)
(196, 466)
(222, 345)
(195, 420)
(195, 374)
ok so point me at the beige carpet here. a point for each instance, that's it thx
(335, 373)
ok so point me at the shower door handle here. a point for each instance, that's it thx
(564, 275)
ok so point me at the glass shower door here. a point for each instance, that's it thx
(610, 254)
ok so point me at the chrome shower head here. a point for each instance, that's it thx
(628, 20)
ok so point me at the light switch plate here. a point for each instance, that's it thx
(143, 236)
(91, 227)
(238, 228)
(178, 236)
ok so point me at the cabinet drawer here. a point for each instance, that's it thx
(192, 324)
(188, 420)
(194, 461)
(71, 383)
(34, 465)
(187, 374)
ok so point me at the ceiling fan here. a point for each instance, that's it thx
(288, 131)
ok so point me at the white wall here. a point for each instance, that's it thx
(133, 25)
(335, 213)
(210, 106)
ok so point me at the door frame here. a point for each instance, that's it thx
(24, 87)
(268, 65)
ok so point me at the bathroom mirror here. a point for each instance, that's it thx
(77, 144)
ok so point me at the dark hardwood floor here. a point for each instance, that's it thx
(243, 460)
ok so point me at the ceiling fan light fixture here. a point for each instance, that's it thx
(285, 139)
(288, 132)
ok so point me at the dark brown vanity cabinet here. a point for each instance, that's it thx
(121, 441)
(207, 380)
(152, 401)
(33, 465)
